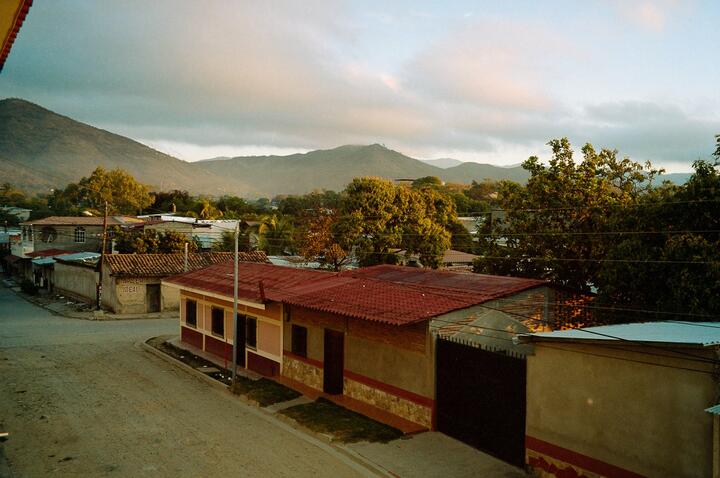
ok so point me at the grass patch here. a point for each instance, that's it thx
(265, 392)
(323, 416)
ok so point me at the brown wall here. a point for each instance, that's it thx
(638, 412)
(387, 366)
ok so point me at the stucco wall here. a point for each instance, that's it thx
(128, 295)
(65, 239)
(387, 366)
(269, 336)
(602, 403)
(79, 282)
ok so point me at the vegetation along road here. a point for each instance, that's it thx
(80, 398)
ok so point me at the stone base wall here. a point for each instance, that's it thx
(544, 466)
(303, 372)
(398, 406)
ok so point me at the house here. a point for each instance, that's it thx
(205, 232)
(364, 334)
(69, 233)
(625, 400)
(451, 259)
(131, 283)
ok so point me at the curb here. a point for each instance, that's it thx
(278, 419)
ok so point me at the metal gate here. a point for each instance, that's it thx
(481, 399)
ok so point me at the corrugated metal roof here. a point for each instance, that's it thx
(353, 295)
(669, 332)
(715, 409)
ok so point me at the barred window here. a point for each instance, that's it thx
(80, 234)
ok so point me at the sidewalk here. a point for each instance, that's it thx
(79, 310)
(429, 454)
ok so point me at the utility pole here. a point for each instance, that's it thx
(186, 257)
(102, 258)
(235, 306)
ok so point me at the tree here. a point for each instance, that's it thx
(679, 250)
(427, 182)
(227, 241)
(555, 226)
(316, 241)
(377, 216)
(123, 194)
(276, 235)
(149, 241)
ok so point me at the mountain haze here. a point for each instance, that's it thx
(40, 149)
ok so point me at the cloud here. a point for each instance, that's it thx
(650, 15)
(200, 79)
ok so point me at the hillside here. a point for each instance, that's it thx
(442, 162)
(40, 149)
(334, 168)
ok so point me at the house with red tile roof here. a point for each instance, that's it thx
(366, 335)
(131, 283)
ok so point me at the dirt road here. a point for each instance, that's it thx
(80, 398)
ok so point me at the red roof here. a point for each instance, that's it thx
(474, 283)
(23, 6)
(160, 265)
(398, 295)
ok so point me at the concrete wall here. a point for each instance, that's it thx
(76, 281)
(619, 410)
(128, 295)
(390, 367)
(65, 239)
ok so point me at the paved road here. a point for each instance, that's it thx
(79, 398)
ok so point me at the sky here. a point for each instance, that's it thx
(483, 81)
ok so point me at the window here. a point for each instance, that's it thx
(251, 332)
(191, 313)
(218, 322)
(299, 340)
(79, 234)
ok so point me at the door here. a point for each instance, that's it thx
(480, 399)
(240, 340)
(152, 292)
(333, 362)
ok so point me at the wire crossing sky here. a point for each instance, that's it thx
(481, 81)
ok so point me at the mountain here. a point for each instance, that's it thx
(468, 171)
(334, 168)
(442, 162)
(40, 150)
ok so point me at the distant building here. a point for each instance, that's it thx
(69, 233)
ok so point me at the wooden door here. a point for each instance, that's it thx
(152, 297)
(333, 362)
(240, 340)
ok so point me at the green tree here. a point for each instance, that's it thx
(555, 226)
(149, 241)
(679, 249)
(276, 235)
(117, 188)
(377, 216)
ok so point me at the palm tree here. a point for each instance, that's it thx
(276, 235)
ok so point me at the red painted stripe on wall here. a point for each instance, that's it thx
(391, 389)
(574, 458)
(192, 337)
